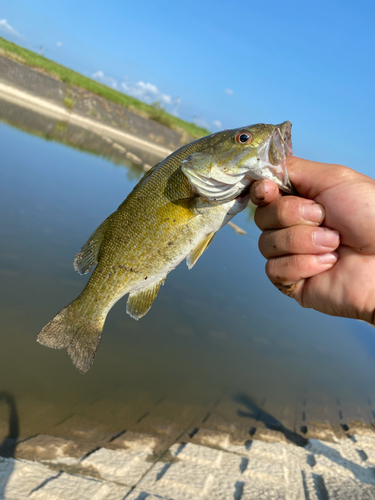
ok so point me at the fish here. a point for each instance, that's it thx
(172, 214)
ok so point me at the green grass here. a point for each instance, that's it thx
(70, 77)
(68, 103)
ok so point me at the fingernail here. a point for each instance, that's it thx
(259, 191)
(326, 237)
(312, 212)
(328, 258)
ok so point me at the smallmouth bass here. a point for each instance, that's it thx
(172, 214)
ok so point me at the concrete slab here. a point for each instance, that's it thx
(143, 466)
(66, 486)
(19, 478)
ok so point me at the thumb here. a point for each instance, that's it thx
(311, 178)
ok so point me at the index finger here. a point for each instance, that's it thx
(263, 192)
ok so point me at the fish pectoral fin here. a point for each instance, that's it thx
(87, 257)
(177, 211)
(140, 302)
(194, 255)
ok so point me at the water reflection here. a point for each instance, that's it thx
(136, 160)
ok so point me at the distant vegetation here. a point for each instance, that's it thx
(154, 112)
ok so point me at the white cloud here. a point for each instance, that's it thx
(5, 26)
(107, 80)
(229, 91)
(59, 44)
(217, 123)
(176, 104)
(201, 123)
(146, 92)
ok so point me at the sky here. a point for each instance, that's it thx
(224, 64)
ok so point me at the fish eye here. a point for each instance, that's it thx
(243, 138)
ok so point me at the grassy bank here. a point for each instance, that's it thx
(70, 77)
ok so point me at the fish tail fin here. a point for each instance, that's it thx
(73, 330)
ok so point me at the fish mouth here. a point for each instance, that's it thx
(282, 137)
(278, 148)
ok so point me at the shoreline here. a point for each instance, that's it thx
(39, 92)
(57, 112)
(72, 79)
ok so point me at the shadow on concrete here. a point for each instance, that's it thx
(315, 447)
(364, 474)
(9, 443)
(256, 413)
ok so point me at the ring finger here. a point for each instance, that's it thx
(298, 240)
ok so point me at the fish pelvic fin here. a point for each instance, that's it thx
(194, 255)
(87, 257)
(71, 330)
(139, 303)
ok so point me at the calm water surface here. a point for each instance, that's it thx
(218, 330)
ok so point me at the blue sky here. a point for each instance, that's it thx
(225, 64)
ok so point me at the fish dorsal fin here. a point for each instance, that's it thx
(140, 302)
(146, 175)
(194, 255)
(87, 257)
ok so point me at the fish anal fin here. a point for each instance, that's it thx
(87, 257)
(194, 255)
(139, 303)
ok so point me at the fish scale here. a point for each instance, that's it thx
(172, 213)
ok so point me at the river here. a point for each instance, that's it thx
(217, 336)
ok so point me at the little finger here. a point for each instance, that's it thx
(290, 269)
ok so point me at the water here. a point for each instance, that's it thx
(216, 337)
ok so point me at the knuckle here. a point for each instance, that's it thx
(289, 240)
(277, 242)
(267, 243)
(261, 216)
(287, 210)
(277, 269)
(288, 268)
(270, 270)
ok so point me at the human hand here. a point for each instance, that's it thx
(330, 268)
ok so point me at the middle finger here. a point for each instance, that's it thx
(288, 211)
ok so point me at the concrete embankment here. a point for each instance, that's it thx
(197, 464)
(40, 93)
